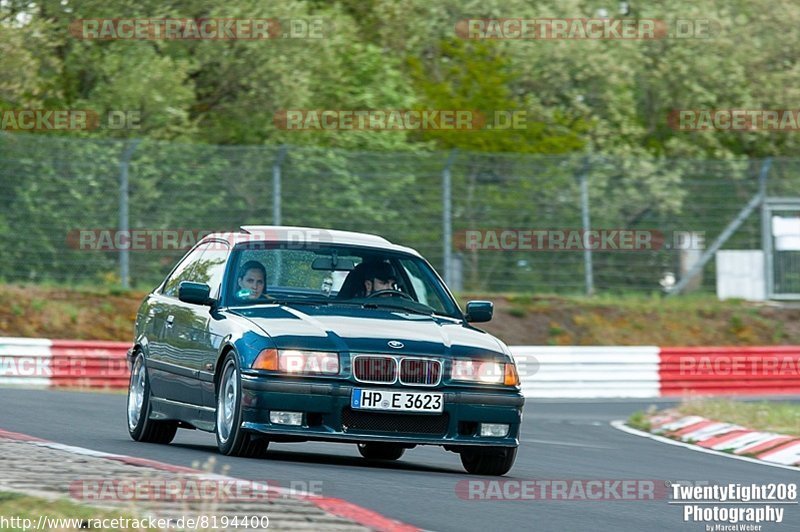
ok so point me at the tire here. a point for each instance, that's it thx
(232, 439)
(380, 451)
(140, 426)
(489, 460)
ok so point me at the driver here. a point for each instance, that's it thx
(251, 280)
(379, 276)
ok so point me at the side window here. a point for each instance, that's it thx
(182, 272)
(211, 266)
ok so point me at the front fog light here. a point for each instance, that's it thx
(494, 430)
(286, 418)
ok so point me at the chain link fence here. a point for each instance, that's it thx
(469, 210)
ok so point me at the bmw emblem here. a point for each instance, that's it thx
(394, 344)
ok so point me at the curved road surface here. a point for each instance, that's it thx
(561, 440)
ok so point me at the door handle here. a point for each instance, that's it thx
(170, 319)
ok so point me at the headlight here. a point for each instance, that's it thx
(485, 372)
(297, 362)
(319, 362)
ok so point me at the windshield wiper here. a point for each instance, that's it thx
(319, 301)
(298, 301)
(397, 306)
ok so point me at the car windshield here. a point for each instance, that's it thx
(269, 273)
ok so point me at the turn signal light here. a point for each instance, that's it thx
(267, 359)
(511, 376)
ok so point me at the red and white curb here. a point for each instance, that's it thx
(723, 439)
(338, 507)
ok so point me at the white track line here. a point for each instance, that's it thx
(620, 425)
(566, 444)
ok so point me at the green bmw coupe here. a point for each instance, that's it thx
(291, 334)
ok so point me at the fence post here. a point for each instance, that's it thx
(766, 230)
(124, 226)
(586, 223)
(276, 186)
(447, 217)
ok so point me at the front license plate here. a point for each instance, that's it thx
(396, 401)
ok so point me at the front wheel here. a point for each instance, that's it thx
(489, 460)
(380, 451)
(232, 439)
(140, 426)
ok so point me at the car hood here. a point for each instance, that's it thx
(357, 330)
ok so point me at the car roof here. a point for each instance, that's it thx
(312, 235)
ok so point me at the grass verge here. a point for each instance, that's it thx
(42, 311)
(640, 420)
(626, 319)
(780, 417)
(27, 510)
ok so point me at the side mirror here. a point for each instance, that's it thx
(196, 293)
(479, 311)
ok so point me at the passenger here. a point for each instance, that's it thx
(252, 280)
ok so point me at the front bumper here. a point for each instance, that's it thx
(328, 417)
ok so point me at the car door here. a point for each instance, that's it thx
(203, 326)
(163, 363)
(171, 376)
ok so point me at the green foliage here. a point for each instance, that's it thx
(639, 420)
(477, 76)
(517, 312)
(600, 104)
(610, 96)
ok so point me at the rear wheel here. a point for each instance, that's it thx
(489, 460)
(380, 451)
(232, 439)
(140, 426)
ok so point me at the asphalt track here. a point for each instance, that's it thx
(560, 441)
